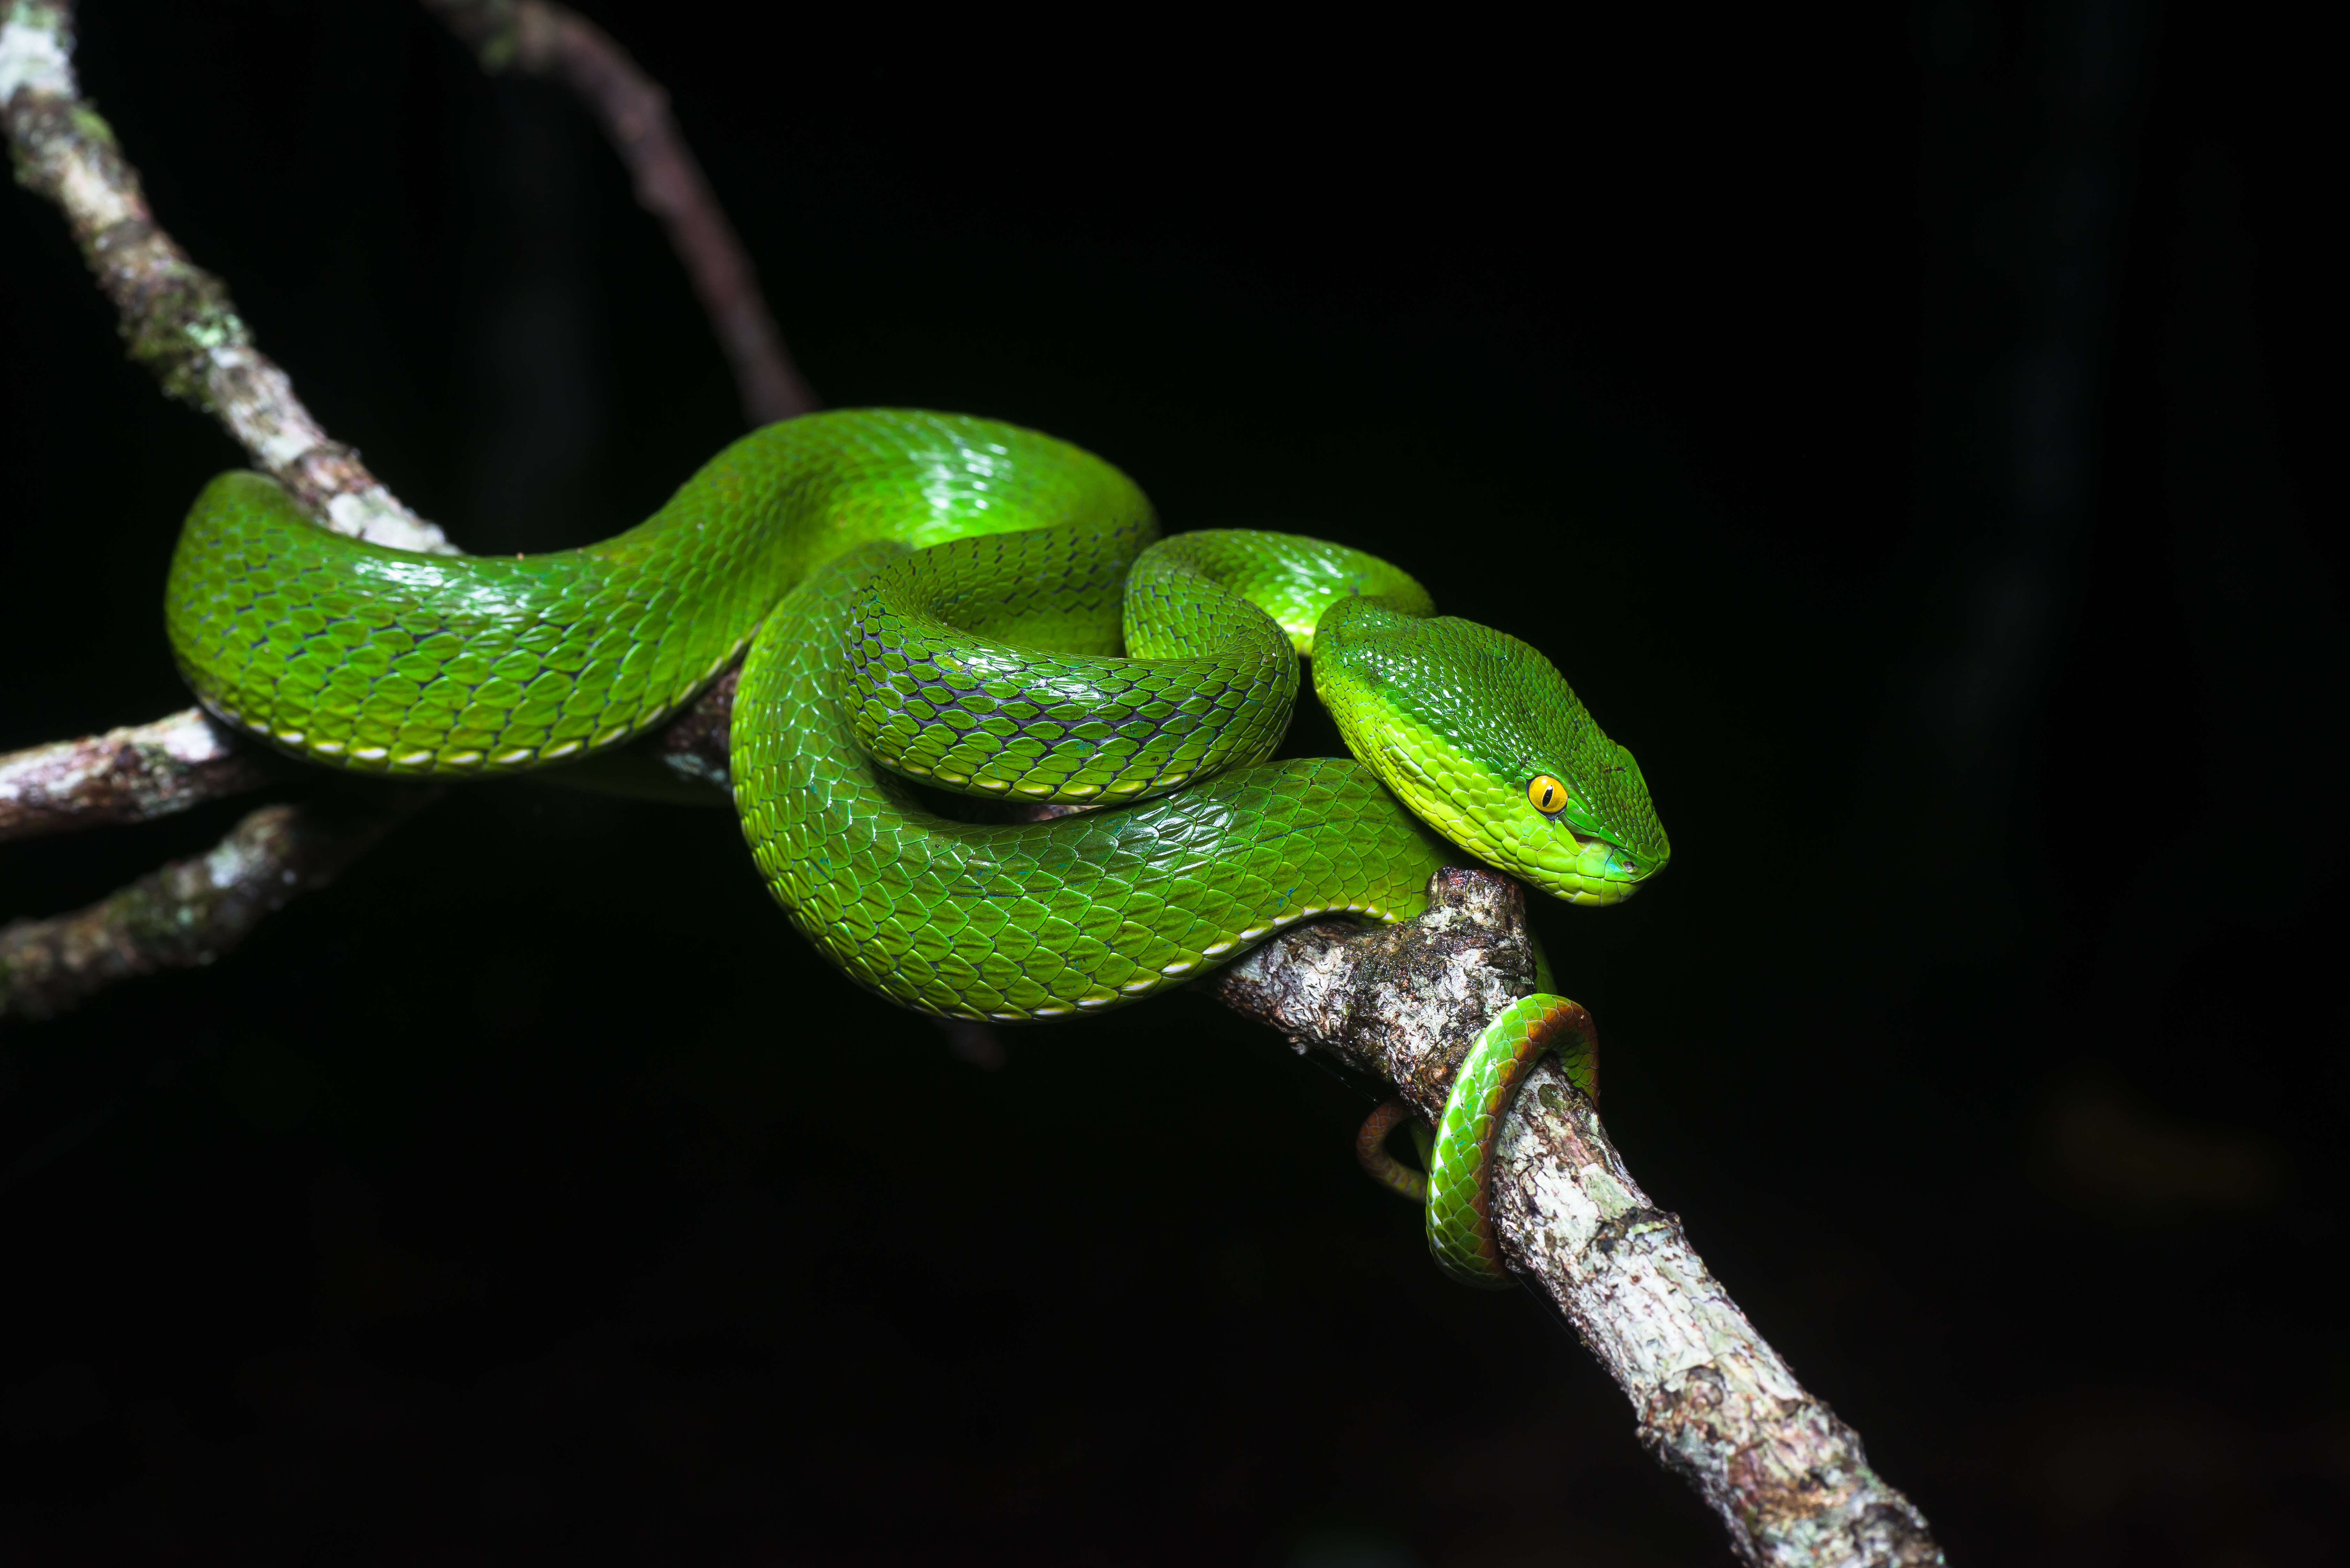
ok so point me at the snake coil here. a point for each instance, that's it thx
(932, 601)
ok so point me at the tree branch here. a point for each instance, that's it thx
(177, 318)
(1715, 1402)
(552, 40)
(179, 321)
(191, 911)
(129, 775)
(693, 745)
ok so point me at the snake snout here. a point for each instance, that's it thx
(1592, 870)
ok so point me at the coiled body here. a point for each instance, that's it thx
(934, 602)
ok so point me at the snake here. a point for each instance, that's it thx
(929, 607)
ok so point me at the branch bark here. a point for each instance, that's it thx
(552, 40)
(176, 318)
(191, 911)
(129, 775)
(1715, 1403)
(179, 321)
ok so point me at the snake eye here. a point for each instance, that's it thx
(1547, 793)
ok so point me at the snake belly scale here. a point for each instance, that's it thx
(973, 608)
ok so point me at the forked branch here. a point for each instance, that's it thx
(1713, 1401)
(178, 320)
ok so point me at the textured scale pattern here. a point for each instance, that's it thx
(1031, 708)
(1035, 921)
(1189, 593)
(934, 597)
(362, 657)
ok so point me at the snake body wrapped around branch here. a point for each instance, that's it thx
(939, 603)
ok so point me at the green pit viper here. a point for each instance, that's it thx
(983, 609)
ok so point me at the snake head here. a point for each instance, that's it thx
(1482, 737)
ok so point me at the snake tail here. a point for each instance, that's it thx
(1460, 1182)
(1371, 1150)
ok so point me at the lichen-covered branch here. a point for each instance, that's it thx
(191, 911)
(130, 774)
(552, 40)
(178, 321)
(1714, 1401)
(177, 318)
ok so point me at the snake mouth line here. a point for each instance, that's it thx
(1622, 866)
(1635, 870)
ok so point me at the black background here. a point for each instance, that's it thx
(1907, 429)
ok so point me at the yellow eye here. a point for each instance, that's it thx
(1547, 793)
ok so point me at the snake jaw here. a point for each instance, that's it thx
(1577, 866)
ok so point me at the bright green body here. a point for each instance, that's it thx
(945, 600)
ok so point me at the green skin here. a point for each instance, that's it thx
(983, 609)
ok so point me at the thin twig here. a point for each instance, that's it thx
(1714, 1401)
(194, 911)
(552, 40)
(177, 318)
(130, 774)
